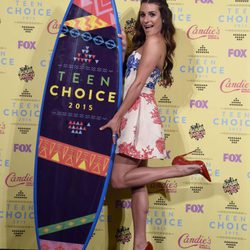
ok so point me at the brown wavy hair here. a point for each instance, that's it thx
(168, 31)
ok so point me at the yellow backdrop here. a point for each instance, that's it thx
(207, 110)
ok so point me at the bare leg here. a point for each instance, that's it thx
(139, 204)
(132, 173)
(125, 173)
(139, 212)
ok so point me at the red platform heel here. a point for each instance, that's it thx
(180, 160)
(149, 246)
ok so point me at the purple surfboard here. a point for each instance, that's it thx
(74, 158)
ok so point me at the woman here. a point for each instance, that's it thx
(137, 122)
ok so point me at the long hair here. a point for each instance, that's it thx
(168, 31)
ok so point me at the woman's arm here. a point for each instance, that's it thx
(150, 57)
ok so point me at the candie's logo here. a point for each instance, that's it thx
(12, 180)
(195, 32)
(186, 241)
(228, 86)
(167, 187)
(53, 27)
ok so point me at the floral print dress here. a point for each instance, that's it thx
(141, 128)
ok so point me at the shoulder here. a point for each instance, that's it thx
(153, 45)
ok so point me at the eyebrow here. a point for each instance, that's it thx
(152, 11)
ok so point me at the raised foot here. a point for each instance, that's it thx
(180, 160)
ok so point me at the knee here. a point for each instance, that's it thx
(117, 183)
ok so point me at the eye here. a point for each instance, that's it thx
(152, 14)
(142, 14)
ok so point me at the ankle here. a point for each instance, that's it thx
(188, 169)
(140, 245)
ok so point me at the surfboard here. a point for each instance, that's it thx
(74, 158)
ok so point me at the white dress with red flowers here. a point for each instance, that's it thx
(142, 134)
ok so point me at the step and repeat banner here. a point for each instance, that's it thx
(207, 110)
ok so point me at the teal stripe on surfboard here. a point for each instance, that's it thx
(66, 224)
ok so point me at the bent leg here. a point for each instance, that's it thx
(122, 165)
(126, 173)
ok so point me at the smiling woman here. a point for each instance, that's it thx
(155, 17)
(151, 20)
(137, 124)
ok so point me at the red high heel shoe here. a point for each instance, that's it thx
(149, 246)
(180, 160)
